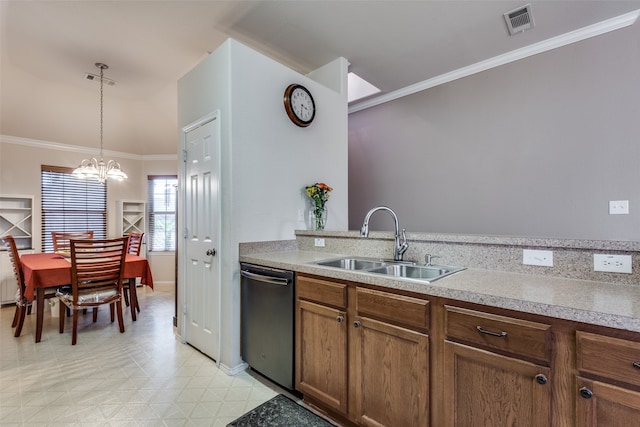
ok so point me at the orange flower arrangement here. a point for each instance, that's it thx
(319, 194)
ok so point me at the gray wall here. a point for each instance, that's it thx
(537, 147)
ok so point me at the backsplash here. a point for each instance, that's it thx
(571, 258)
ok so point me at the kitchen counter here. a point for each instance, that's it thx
(597, 303)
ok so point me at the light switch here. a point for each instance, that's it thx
(537, 257)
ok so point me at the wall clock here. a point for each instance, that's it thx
(299, 105)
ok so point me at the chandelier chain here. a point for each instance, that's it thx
(99, 169)
(101, 107)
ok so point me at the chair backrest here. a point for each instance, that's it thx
(135, 242)
(14, 256)
(61, 238)
(97, 267)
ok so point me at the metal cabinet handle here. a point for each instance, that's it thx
(282, 281)
(586, 393)
(636, 365)
(356, 324)
(541, 379)
(493, 334)
(211, 252)
(340, 319)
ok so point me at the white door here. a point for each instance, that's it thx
(201, 237)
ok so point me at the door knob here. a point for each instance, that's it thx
(211, 252)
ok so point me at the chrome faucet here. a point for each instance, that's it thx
(399, 248)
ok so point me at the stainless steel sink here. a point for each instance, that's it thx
(419, 272)
(351, 263)
(400, 269)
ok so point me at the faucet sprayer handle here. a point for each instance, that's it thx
(428, 258)
(404, 245)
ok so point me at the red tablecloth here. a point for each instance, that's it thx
(49, 270)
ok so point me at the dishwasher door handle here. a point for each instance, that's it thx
(266, 279)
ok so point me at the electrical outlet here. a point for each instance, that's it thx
(318, 242)
(619, 207)
(612, 263)
(537, 257)
(301, 215)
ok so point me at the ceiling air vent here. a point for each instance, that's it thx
(519, 20)
(93, 77)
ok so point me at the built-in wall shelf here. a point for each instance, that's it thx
(131, 217)
(16, 219)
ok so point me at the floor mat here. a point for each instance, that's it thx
(280, 412)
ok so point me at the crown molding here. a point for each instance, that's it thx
(150, 157)
(594, 30)
(49, 145)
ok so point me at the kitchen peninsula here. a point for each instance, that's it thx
(556, 340)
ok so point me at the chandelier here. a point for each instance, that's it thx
(98, 169)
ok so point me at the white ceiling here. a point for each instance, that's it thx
(48, 46)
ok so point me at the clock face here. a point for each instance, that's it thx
(299, 105)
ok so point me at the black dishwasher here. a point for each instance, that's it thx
(268, 317)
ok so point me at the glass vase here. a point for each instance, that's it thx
(318, 218)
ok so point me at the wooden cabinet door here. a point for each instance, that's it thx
(391, 375)
(604, 405)
(485, 389)
(321, 354)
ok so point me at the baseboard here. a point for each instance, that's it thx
(233, 370)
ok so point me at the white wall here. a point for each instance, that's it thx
(163, 268)
(273, 159)
(21, 159)
(266, 160)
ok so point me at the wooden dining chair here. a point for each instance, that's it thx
(23, 305)
(135, 243)
(61, 243)
(61, 239)
(97, 267)
(129, 285)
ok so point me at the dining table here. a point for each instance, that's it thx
(52, 270)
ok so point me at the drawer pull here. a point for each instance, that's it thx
(636, 365)
(340, 319)
(586, 393)
(541, 379)
(493, 334)
(356, 324)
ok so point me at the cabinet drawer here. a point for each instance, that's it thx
(322, 291)
(608, 357)
(517, 336)
(393, 308)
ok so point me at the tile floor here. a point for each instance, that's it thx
(144, 377)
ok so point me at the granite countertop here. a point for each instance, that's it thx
(597, 303)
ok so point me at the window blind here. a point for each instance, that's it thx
(71, 204)
(162, 207)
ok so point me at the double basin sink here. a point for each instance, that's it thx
(400, 269)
